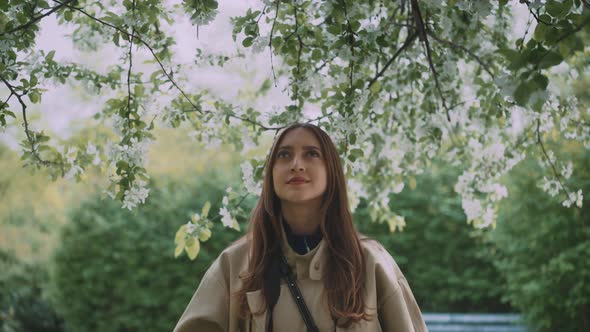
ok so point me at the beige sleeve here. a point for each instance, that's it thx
(208, 310)
(399, 311)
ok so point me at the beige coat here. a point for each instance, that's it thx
(212, 309)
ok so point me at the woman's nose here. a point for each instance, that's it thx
(297, 164)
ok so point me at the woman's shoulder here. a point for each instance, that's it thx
(231, 260)
(378, 258)
(235, 252)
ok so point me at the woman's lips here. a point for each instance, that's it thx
(297, 182)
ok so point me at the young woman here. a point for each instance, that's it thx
(303, 266)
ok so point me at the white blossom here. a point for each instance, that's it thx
(488, 217)
(93, 151)
(472, 208)
(135, 195)
(574, 198)
(71, 155)
(498, 192)
(74, 171)
(260, 44)
(248, 177)
(567, 170)
(550, 186)
(190, 227)
(226, 218)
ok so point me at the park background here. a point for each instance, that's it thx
(71, 259)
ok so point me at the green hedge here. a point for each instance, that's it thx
(115, 269)
(543, 250)
(23, 307)
(446, 261)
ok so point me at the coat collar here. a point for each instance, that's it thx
(310, 265)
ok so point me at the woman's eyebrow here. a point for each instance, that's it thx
(306, 147)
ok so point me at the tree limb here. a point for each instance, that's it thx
(351, 42)
(422, 31)
(130, 65)
(407, 43)
(37, 18)
(272, 29)
(299, 50)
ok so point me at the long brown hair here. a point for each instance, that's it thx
(344, 275)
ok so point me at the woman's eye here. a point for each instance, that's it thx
(314, 153)
(285, 153)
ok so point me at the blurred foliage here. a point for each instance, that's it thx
(446, 263)
(33, 207)
(30, 207)
(115, 269)
(543, 249)
(23, 307)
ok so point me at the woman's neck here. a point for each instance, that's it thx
(303, 220)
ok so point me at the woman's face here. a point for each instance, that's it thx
(299, 155)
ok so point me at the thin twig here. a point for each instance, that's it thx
(468, 51)
(261, 14)
(424, 37)
(407, 43)
(37, 19)
(254, 122)
(7, 99)
(26, 124)
(272, 29)
(130, 65)
(351, 42)
(296, 85)
(526, 31)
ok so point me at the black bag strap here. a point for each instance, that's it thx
(297, 296)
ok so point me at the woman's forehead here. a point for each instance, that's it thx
(299, 137)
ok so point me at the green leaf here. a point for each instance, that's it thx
(192, 247)
(178, 250)
(34, 96)
(116, 38)
(522, 93)
(68, 15)
(235, 225)
(42, 138)
(205, 210)
(204, 234)
(558, 9)
(550, 59)
(49, 56)
(541, 81)
(375, 87)
(248, 41)
(316, 54)
(180, 234)
(540, 31)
